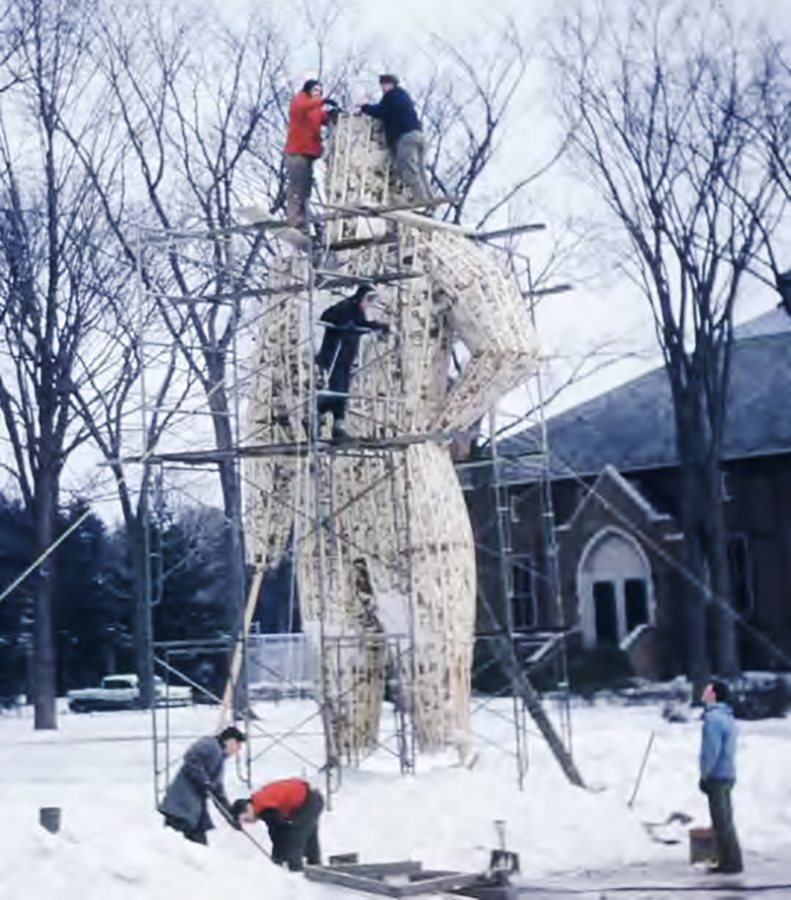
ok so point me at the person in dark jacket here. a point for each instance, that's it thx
(307, 113)
(344, 324)
(403, 134)
(291, 809)
(185, 803)
(718, 773)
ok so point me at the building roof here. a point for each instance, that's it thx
(632, 427)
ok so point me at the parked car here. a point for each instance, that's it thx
(123, 692)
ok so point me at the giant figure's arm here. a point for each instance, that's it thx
(491, 318)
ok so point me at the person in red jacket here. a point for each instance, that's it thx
(307, 113)
(291, 809)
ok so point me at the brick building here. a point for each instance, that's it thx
(619, 546)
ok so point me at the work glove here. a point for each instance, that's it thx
(333, 104)
(384, 330)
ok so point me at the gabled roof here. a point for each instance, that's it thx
(632, 427)
(609, 472)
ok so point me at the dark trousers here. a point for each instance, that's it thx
(729, 853)
(299, 184)
(339, 381)
(197, 834)
(298, 839)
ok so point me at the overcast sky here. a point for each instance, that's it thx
(395, 35)
(603, 310)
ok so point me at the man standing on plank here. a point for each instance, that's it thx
(291, 809)
(718, 773)
(306, 115)
(404, 135)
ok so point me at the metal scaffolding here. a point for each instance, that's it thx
(204, 293)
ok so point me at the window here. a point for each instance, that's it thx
(118, 684)
(523, 598)
(636, 599)
(614, 588)
(606, 612)
(740, 568)
(513, 504)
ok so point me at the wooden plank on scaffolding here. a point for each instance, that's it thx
(359, 243)
(255, 214)
(415, 220)
(373, 210)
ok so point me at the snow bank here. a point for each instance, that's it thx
(113, 847)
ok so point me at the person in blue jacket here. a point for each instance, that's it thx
(718, 773)
(404, 135)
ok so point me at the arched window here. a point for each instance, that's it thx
(613, 588)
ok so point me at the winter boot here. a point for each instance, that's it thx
(339, 433)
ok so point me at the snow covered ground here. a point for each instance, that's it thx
(98, 769)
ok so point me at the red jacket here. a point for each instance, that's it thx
(285, 796)
(305, 118)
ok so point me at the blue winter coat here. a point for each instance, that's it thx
(396, 112)
(718, 744)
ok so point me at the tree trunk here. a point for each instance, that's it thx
(691, 443)
(142, 631)
(45, 715)
(232, 506)
(727, 656)
(696, 655)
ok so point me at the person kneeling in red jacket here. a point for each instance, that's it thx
(291, 809)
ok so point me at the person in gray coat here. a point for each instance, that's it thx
(718, 773)
(185, 804)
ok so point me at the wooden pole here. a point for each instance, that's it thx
(642, 769)
(236, 663)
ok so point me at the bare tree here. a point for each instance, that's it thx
(468, 105)
(655, 103)
(189, 118)
(52, 292)
(772, 123)
(107, 400)
(774, 81)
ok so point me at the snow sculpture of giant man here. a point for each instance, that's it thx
(395, 553)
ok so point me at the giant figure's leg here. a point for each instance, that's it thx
(443, 598)
(336, 605)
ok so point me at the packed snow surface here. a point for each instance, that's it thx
(112, 845)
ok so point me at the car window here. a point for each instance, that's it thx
(117, 684)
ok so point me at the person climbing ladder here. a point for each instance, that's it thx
(345, 322)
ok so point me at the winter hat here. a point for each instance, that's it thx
(231, 733)
(388, 78)
(363, 291)
(238, 807)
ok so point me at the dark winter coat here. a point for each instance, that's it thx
(718, 744)
(396, 112)
(201, 772)
(346, 323)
